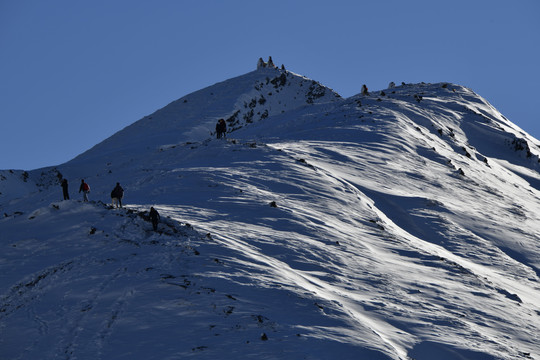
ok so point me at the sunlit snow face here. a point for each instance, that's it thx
(334, 227)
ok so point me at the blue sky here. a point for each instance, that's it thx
(73, 73)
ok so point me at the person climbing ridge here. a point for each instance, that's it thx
(154, 217)
(65, 189)
(116, 195)
(221, 129)
(364, 90)
(85, 188)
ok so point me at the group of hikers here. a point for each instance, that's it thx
(118, 192)
(116, 198)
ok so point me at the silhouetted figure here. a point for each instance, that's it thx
(116, 195)
(364, 90)
(270, 63)
(85, 188)
(154, 217)
(221, 128)
(261, 64)
(65, 189)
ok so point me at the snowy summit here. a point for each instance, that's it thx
(400, 223)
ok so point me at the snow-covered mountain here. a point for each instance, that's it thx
(402, 224)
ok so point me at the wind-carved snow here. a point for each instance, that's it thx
(398, 225)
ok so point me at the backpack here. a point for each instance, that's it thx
(86, 187)
(117, 192)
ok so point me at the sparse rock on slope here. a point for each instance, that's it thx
(402, 224)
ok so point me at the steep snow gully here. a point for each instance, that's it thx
(398, 224)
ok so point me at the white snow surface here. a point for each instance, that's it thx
(399, 225)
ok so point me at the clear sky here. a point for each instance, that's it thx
(73, 72)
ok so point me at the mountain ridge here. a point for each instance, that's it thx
(401, 224)
(237, 100)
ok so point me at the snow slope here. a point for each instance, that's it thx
(398, 225)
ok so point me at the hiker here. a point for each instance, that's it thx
(116, 195)
(221, 128)
(65, 189)
(154, 216)
(85, 188)
(364, 90)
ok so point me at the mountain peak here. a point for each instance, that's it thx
(241, 101)
(392, 224)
